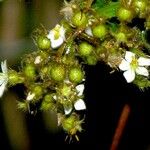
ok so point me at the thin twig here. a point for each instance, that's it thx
(120, 127)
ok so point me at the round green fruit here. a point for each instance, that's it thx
(99, 31)
(140, 5)
(124, 14)
(91, 60)
(121, 37)
(79, 19)
(69, 123)
(65, 90)
(37, 90)
(85, 49)
(57, 73)
(30, 71)
(76, 75)
(43, 43)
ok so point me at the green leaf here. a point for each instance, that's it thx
(106, 9)
(100, 3)
(141, 82)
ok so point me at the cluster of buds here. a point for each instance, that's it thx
(54, 76)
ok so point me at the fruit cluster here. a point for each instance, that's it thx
(89, 32)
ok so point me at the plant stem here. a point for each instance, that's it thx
(120, 127)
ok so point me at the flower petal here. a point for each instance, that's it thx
(2, 78)
(2, 88)
(124, 65)
(129, 75)
(79, 105)
(80, 89)
(62, 32)
(88, 31)
(4, 66)
(56, 43)
(129, 56)
(143, 61)
(67, 110)
(30, 96)
(38, 60)
(142, 71)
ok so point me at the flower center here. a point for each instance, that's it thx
(134, 63)
(56, 32)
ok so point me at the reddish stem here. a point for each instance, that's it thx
(120, 127)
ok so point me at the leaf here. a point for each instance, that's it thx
(106, 9)
(100, 3)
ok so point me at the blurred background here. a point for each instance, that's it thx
(105, 93)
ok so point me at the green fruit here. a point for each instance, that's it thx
(48, 103)
(99, 31)
(121, 37)
(124, 14)
(69, 123)
(91, 60)
(48, 98)
(65, 90)
(43, 43)
(15, 78)
(140, 5)
(79, 19)
(76, 75)
(37, 90)
(85, 49)
(30, 71)
(57, 73)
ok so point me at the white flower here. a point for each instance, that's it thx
(79, 103)
(131, 65)
(3, 77)
(80, 89)
(30, 96)
(57, 36)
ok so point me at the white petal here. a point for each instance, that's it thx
(79, 105)
(2, 78)
(142, 71)
(57, 43)
(88, 31)
(67, 110)
(124, 65)
(62, 32)
(37, 60)
(129, 56)
(30, 96)
(129, 75)
(51, 35)
(55, 97)
(2, 88)
(143, 61)
(4, 66)
(80, 89)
